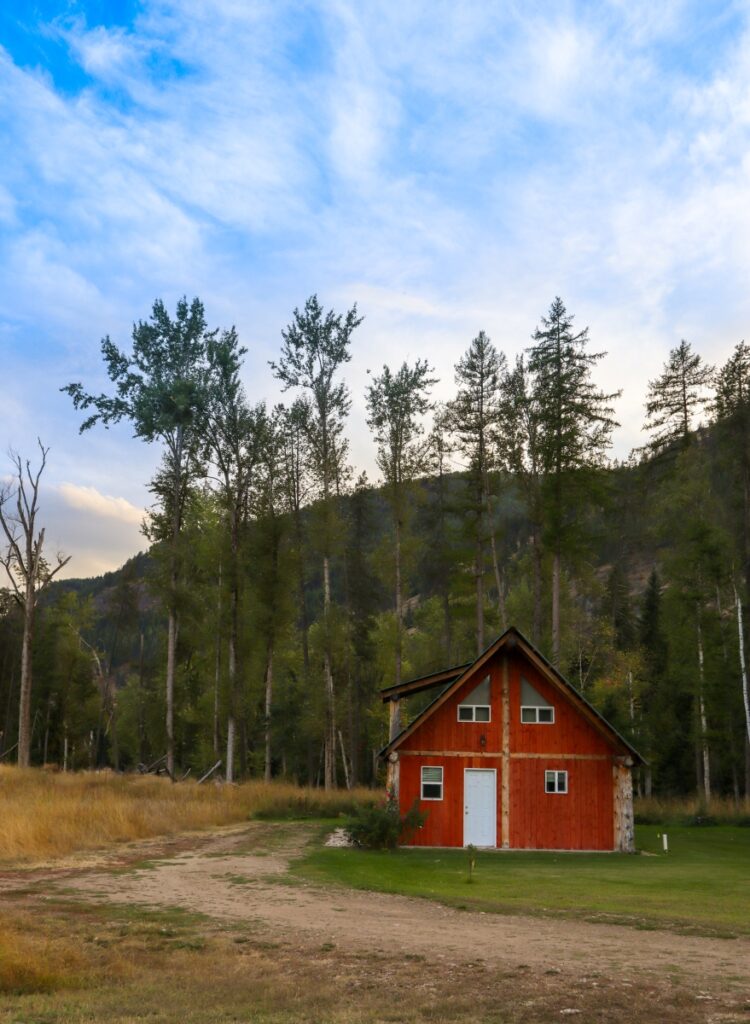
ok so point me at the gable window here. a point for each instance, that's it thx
(432, 783)
(555, 782)
(475, 707)
(534, 708)
(537, 716)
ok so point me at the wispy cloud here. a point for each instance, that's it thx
(450, 166)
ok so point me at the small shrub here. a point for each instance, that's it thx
(380, 826)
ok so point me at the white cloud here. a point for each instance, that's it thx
(88, 499)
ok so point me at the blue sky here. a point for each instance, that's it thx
(449, 166)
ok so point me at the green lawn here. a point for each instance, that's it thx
(703, 884)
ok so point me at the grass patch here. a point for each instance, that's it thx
(701, 886)
(49, 815)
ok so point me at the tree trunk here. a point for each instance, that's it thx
(556, 609)
(705, 758)
(536, 572)
(231, 729)
(24, 700)
(141, 705)
(217, 669)
(171, 654)
(355, 711)
(347, 776)
(269, 699)
(479, 578)
(743, 667)
(234, 630)
(113, 725)
(329, 765)
(501, 610)
(399, 602)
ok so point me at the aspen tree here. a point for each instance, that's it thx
(161, 388)
(236, 434)
(315, 345)
(396, 402)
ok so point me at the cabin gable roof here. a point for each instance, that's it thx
(511, 639)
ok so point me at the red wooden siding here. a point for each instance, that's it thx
(445, 818)
(581, 819)
(571, 733)
(443, 731)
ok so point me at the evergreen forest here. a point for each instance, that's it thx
(281, 589)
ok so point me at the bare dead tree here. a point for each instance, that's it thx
(27, 569)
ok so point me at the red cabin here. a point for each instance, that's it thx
(510, 755)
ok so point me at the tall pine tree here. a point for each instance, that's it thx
(474, 418)
(575, 423)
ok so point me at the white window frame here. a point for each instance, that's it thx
(473, 709)
(557, 777)
(536, 708)
(422, 782)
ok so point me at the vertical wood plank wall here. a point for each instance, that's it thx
(581, 819)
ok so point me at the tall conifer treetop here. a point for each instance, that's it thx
(574, 424)
(475, 411)
(732, 384)
(674, 398)
(575, 418)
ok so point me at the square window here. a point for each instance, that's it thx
(555, 782)
(534, 715)
(432, 783)
(474, 713)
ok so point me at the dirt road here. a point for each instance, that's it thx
(242, 874)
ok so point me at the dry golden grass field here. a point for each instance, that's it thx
(47, 815)
(114, 908)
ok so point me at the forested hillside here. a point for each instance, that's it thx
(282, 590)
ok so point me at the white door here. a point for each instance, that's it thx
(480, 807)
